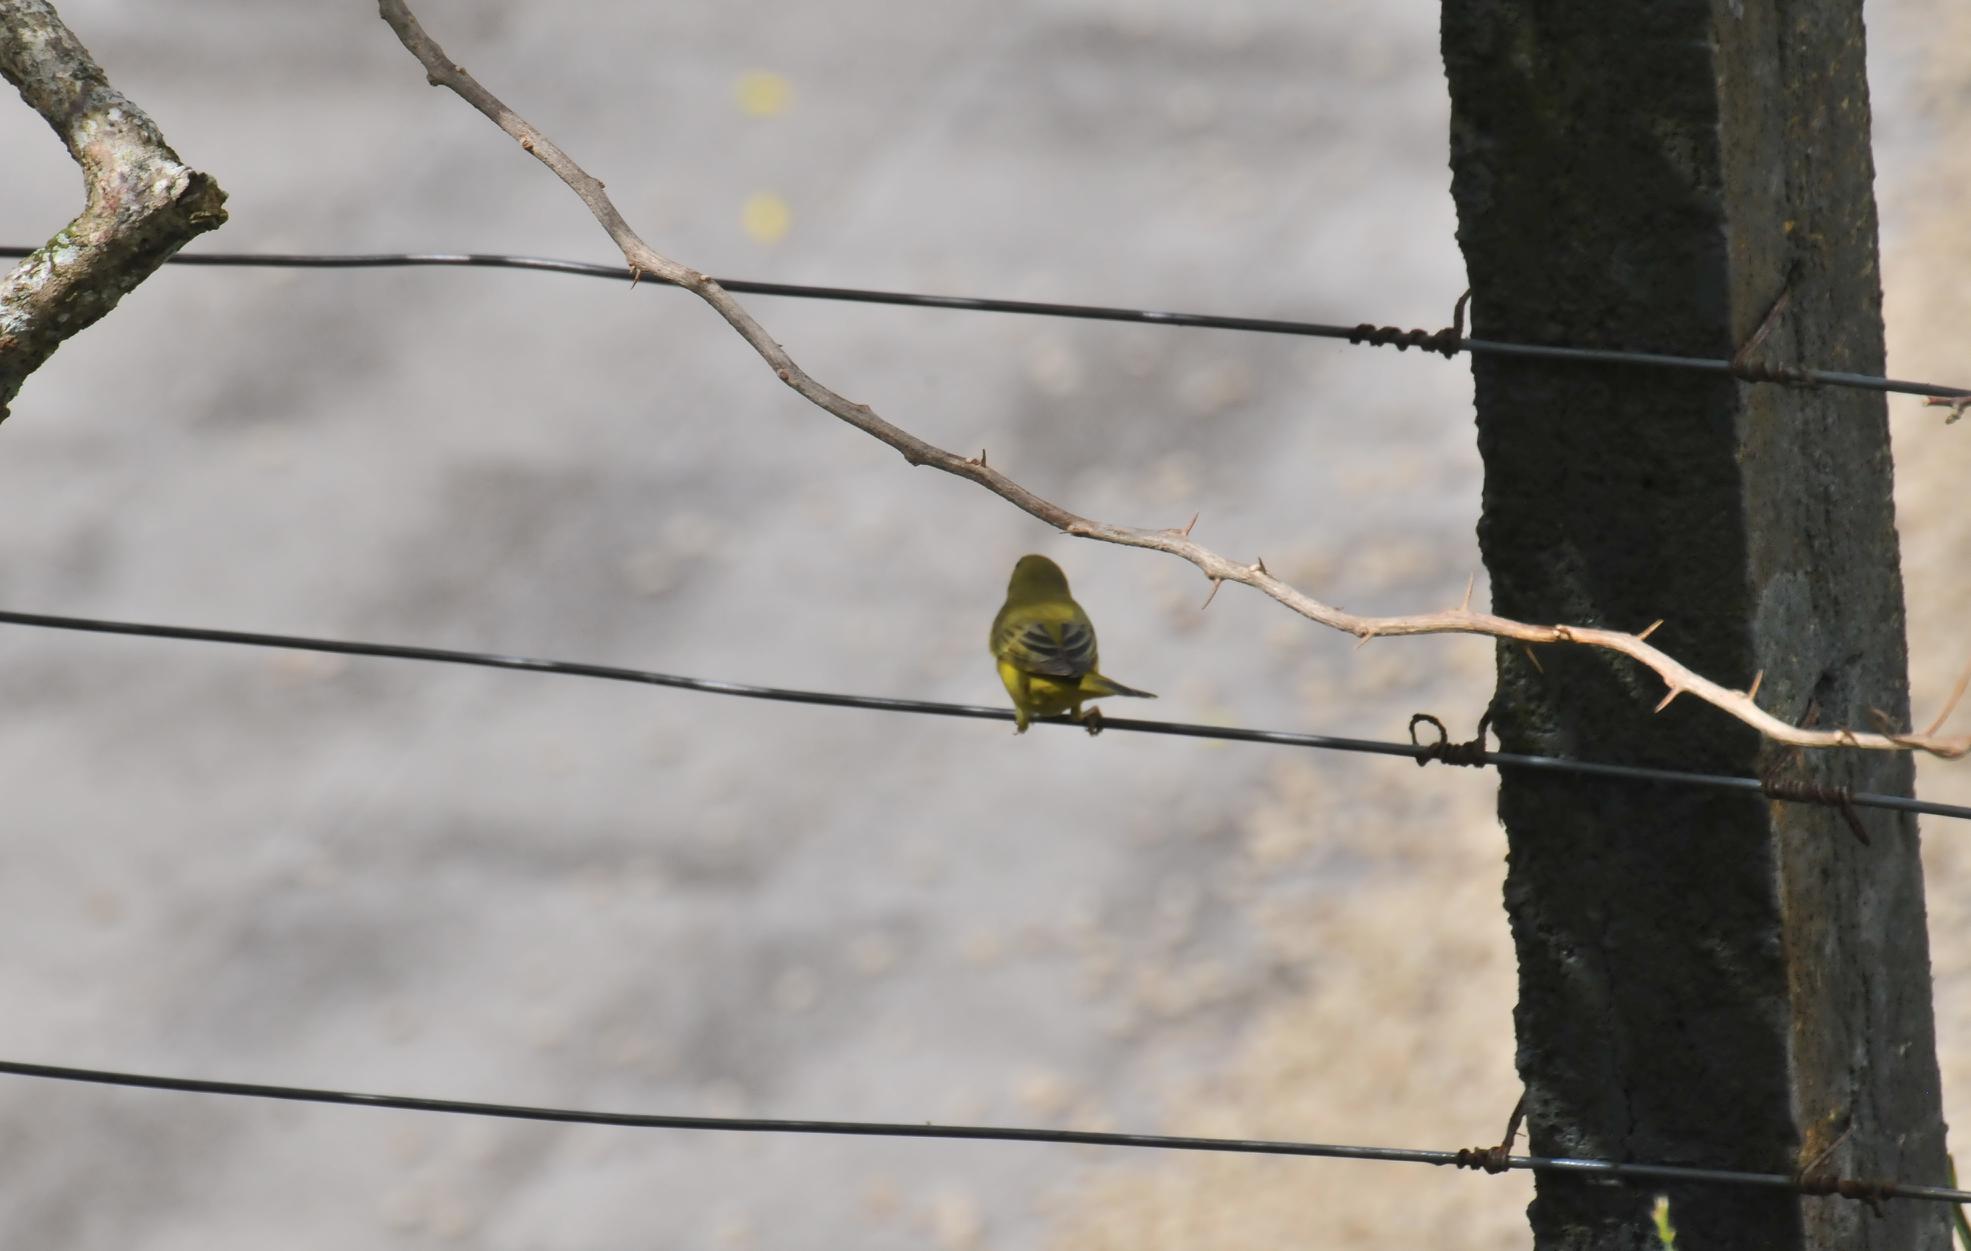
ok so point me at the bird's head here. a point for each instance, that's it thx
(1036, 576)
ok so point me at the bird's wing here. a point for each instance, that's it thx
(1058, 649)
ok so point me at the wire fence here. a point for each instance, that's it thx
(1445, 342)
(1472, 754)
(1494, 1159)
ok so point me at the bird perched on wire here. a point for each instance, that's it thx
(1045, 646)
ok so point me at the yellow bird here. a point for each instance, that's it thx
(1045, 646)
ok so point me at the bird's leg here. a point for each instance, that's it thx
(1021, 703)
(1091, 720)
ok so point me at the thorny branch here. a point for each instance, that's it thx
(144, 203)
(441, 71)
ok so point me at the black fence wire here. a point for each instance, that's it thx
(1422, 754)
(1445, 342)
(1485, 1159)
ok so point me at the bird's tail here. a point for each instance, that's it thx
(1096, 684)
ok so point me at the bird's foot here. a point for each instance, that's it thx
(1092, 721)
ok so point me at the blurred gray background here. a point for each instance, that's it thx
(383, 876)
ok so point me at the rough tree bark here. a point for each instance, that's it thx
(1702, 980)
(144, 203)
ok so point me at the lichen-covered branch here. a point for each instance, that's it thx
(144, 203)
(440, 71)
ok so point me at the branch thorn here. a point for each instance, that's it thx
(1955, 403)
(1950, 705)
(1653, 627)
(1215, 584)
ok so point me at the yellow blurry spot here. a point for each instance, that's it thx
(761, 94)
(1666, 1234)
(766, 217)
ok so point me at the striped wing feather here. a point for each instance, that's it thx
(1056, 649)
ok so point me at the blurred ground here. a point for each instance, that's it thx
(1923, 158)
(392, 877)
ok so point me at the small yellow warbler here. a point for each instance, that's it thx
(1045, 647)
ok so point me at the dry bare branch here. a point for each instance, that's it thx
(441, 71)
(144, 203)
